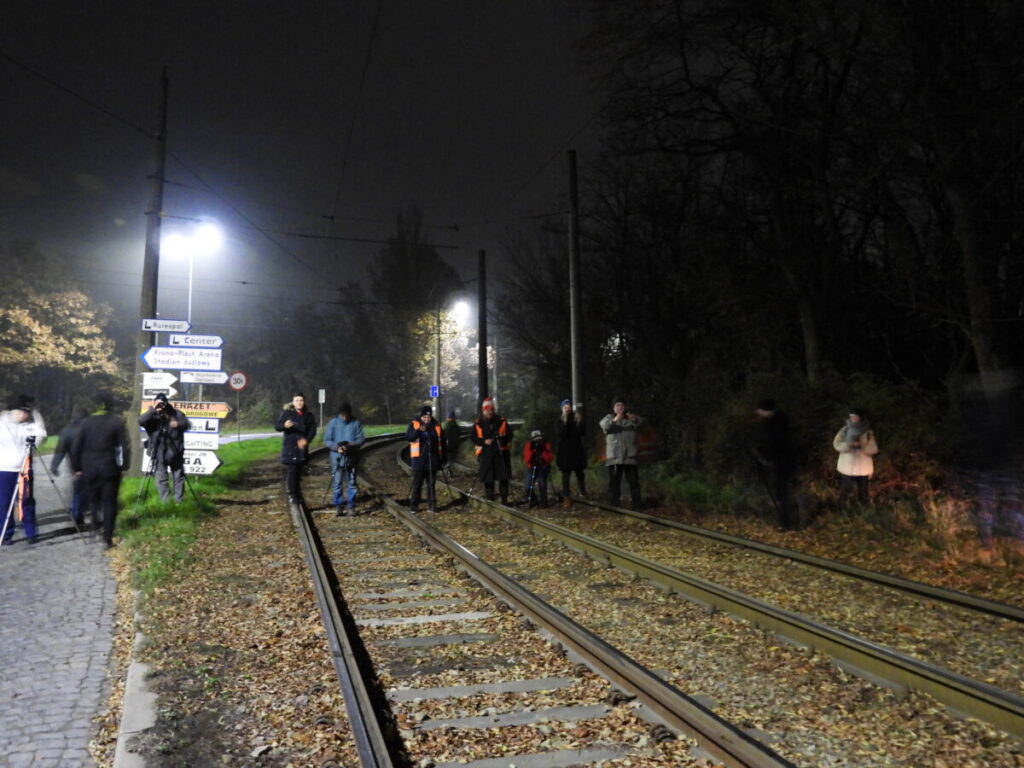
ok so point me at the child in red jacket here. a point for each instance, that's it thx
(537, 456)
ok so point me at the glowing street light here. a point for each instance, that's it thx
(204, 241)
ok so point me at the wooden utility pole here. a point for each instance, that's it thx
(575, 326)
(482, 326)
(150, 274)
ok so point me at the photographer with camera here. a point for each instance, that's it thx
(620, 428)
(165, 428)
(343, 438)
(20, 428)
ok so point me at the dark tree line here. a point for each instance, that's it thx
(813, 199)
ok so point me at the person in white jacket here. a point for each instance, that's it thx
(19, 425)
(856, 445)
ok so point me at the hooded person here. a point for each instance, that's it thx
(492, 438)
(537, 458)
(165, 429)
(21, 427)
(100, 454)
(344, 437)
(427, 454)
(856, 444)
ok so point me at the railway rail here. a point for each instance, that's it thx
(696, 716)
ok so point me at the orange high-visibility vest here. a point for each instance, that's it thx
(502, 432)
(414, 448)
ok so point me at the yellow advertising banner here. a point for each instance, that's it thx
(195, 410)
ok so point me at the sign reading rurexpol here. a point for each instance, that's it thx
(183, 358)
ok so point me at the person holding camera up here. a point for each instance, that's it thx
(537, 457)
(299, 428)
(343, 438)
(165, 426)
(620, 428)
(20, 428)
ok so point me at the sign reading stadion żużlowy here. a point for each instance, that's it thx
(183, 358)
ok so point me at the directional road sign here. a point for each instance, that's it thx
(238, 381)
(435, 390)
(183, 358)
(194, 340)
(199, 441)
(149, 393)
(203, 377)
(173, 326)
(204, 425)
(196, 410)
(157, 379)
(201, 462)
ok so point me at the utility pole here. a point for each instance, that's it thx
(575, 325)
(481, 326)
(150, 274)
(437, 364)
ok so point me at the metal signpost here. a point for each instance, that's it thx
(238, 382)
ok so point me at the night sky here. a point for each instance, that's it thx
(462, 106)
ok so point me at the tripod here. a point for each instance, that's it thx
(529, 486)
(23, 491)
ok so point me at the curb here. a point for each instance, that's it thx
(138, 707)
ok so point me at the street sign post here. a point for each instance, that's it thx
(204, 425)
(155, 324)
(158, 379)
(203, 377)
(435, 391)
(183, 358)
(238, 382)
(201, 441)
(197, 410)
(201, 462)
(195, 340)
(149, 393)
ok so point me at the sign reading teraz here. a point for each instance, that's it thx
(183, 358)
(194, 340)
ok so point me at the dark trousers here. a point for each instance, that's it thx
(101, 500)
(581, 483)
(161, 471)
(502, 489)
(535, 485)
(847, 484)
(789, 514)
(292, 481)
(418, 476)
(615, 473)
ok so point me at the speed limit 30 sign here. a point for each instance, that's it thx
(238, 381)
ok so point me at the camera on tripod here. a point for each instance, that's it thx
(30, 439)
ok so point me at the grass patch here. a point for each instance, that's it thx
(157, 537)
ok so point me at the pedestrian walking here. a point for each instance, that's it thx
(65, 438)
(857, 446)
(165, 429)
(299, 428)
(427, 455)
(620, 428)
(343, 438)
(493, 439)
(537, 458)
(100, 454)
(772, 448)
(21, 427)
(571, 455)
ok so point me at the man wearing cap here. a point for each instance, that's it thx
(620, 428)
(165, 428)
(427, 454)
(492, 439)
(19, 425)
(343, 438)
(537, 457)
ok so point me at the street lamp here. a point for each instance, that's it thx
(206, 240)
(459, 313)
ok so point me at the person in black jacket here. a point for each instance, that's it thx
(65, 439)
(570, 455)
(299, 428)
(772, 448)
(166, 425)
(100, 453)
(492, 437)
(427, 454)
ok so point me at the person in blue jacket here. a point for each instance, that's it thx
(343, 438)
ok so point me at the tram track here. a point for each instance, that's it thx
(625, 613)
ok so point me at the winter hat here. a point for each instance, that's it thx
(565, 402)
(858, 412)
(160, 397)
(426, 410)
(451, 414)
(487, 403)
(535, 434)
(23, 403)
(345, 408)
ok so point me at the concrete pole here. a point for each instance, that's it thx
(437, 364)
(150, 275)
(575, 322)
(482, 327)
